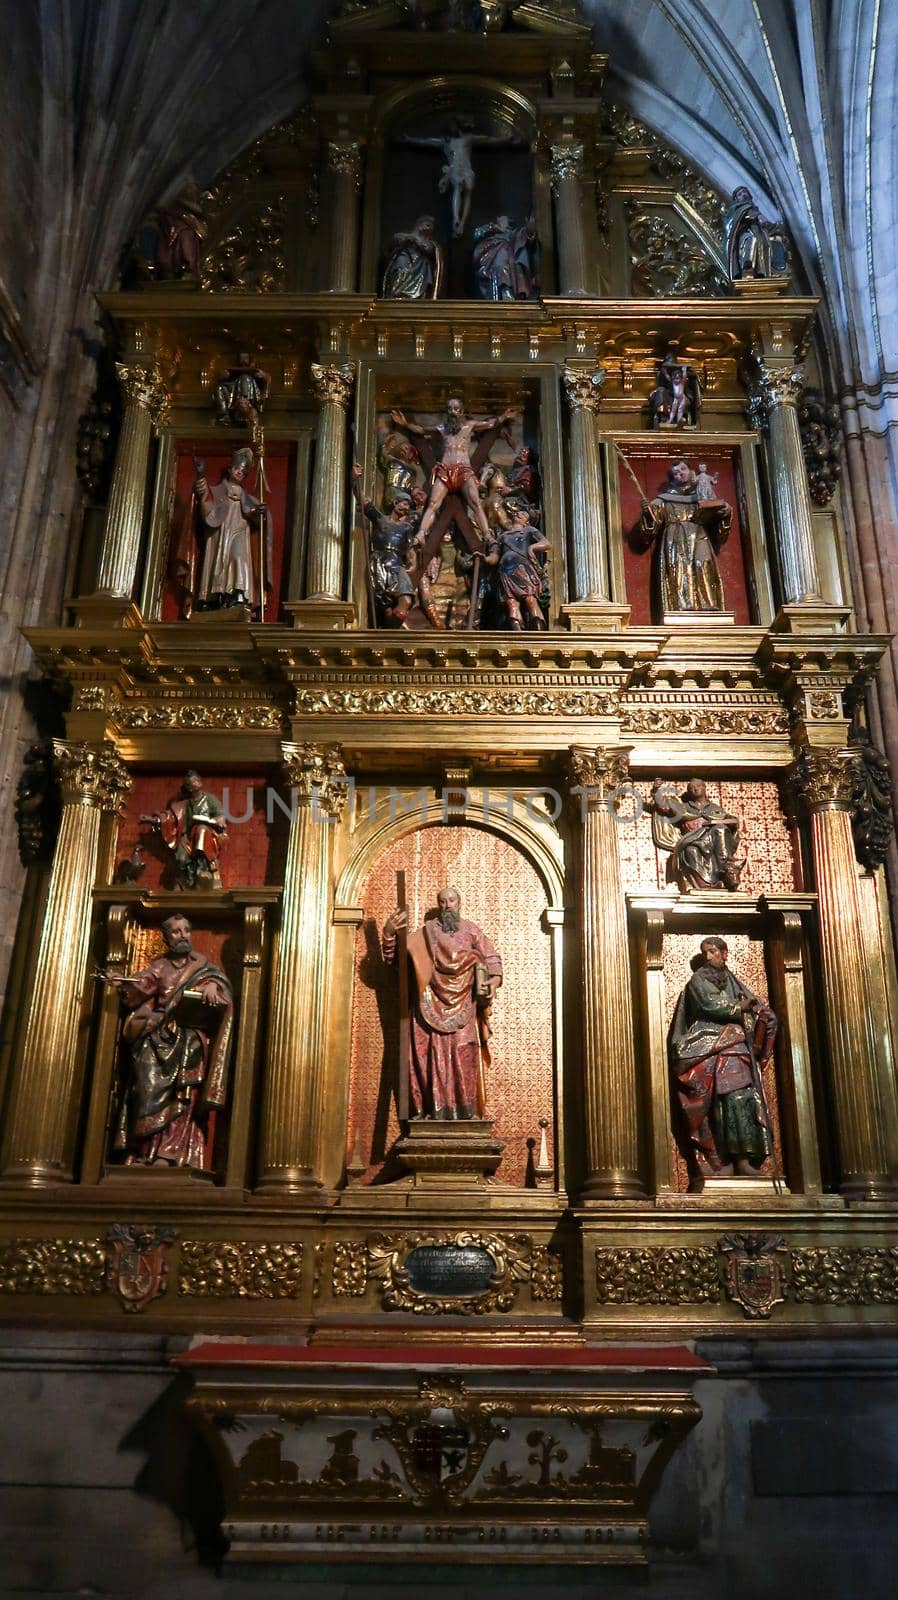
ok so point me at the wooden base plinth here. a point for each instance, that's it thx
(202, 619)
(811, 616)
(327, 616)
(455, 1155)
(105, 611)
(758, 288)
(595, 616)
(697, 619)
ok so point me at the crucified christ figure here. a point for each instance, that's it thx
(453, 473)
(458, 174)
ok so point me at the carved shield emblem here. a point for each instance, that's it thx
(136, 1263)
(755, 1279)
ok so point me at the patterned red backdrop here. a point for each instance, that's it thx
(503, 894)
(217, 456)
(651, 471)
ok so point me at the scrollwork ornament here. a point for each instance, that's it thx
(91, 775)
(239, 1270)
(345, 158)
(822, 779)
(332, 382)
(583, 387)
(446, 702)
(566, 163)
(317, 777)
(388, 1254)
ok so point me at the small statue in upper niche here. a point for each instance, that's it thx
(241, 392)
(687, 532)
(520, 576)
(701, 836)
(721, 1039)
(754, 248)
(235, 570)
(194, 828)
(506, 260)
(414, 270)
(676, 400)
(182, 230)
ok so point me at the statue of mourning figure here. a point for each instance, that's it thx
(702, 838)
(754, 249)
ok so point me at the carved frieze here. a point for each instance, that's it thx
(350, 1270)
(546, 1274)
(835, 1276)
(658, 1276)
(52, 1266)
(239, 1269)
(199, 714)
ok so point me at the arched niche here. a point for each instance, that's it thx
(402, 182)
(510, 882)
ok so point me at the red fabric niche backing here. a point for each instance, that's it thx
(253, 853)
(218, 456)
(651, 471)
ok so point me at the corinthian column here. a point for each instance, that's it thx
(294, 1083)
(573, 264)
(344, 160)
(777, 392)
(590, 605)
(145, 400)
(824, 782)
(46, 1083)
(323, 605)
(609, 1057)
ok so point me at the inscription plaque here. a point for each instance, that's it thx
(450, 1269)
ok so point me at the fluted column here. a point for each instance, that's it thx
(823, 780)
(777, 392)
(589, 540)
(344, 160)
(145, 400)
(294, 1082)
(332, 386)
(43, 1112)
(567, 173)
(608, 1054)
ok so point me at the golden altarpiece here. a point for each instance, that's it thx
(467, 1330)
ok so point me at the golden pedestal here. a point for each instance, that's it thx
(453, 1155)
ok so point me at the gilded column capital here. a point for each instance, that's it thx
(566, 161)
(91, 775)
(777, 385)
(317, 777)
(332, 383)
(144, 387)
(597, 772)
(583, 387)
(344, 156)
(824, 779)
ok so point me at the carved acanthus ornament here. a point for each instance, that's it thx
(598, 773)
(630, 134)
(468, 702)
(658, 1276)
(91, 775)
(237, 1269)
(665, 260)
(583, 387)
(344, 157)
(546, 1274)
(317, 777)
(144, 387)
(249, 257)
(332, 383)
(823, 779)
(37, 805)
(845, 1277)
(776, 386)
(52, 1266)
(566, 163)
(821, 439)
(872, 807)
(350, 1269)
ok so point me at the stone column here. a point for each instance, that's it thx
(776, 396)
(823, 779)
(332, 386)
(567, 173)
(609, 1056)
(344, 160)
(589, 541)
(145, 401)
(297, 1035)
(46, 1086)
